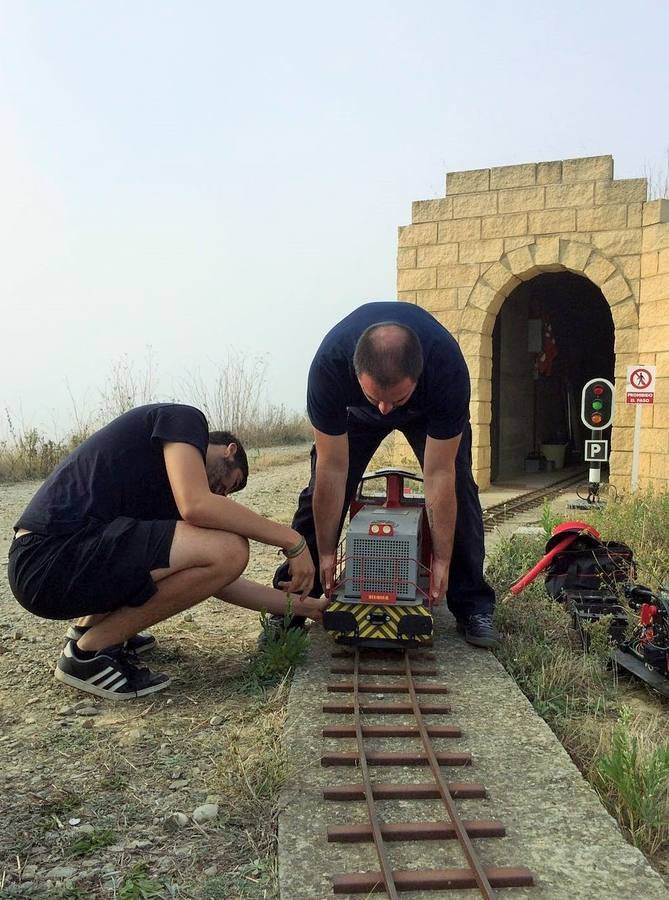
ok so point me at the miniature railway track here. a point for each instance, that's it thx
(406, 681)
(502, 512)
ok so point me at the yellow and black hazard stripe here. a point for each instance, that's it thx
(361, 618)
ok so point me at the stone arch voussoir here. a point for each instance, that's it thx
(550, 254)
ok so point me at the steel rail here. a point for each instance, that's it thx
(460, 829)
(500, 512)
(379, 843)
(387, 879)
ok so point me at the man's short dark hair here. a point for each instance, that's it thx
(388, 356)
(239, 460)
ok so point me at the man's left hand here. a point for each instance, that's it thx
(301, 569)
(439, 581)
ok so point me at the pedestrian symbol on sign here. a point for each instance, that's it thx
(641, 378)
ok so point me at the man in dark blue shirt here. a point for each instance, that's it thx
(387, 366)
(135, 526)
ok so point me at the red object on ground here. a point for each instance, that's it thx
(572, 531)
(648, 613)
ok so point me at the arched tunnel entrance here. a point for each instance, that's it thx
(553, 334)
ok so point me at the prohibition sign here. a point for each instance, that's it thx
(640, 379)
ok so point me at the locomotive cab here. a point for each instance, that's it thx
(381, 593)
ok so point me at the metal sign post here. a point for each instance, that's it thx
(640, 390)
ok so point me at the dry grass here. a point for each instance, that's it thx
(615, 730)
(233, 400)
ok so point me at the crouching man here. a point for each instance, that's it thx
(135, 526)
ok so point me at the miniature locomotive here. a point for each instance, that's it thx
(381, 593)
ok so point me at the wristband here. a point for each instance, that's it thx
(295, 550)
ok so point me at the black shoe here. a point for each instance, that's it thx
(140, 643)
(479, 630)
(275, 624)
(109, 673)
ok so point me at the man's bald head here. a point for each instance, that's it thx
(388, 353)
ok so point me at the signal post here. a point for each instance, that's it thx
(596, 414)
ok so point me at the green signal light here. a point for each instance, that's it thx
(597, 404)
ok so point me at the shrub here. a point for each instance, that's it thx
(281, 649)
(634, 781)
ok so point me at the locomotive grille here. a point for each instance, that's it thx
(378, 565)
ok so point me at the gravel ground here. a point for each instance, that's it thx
(98, 797)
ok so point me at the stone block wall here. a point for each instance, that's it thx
(464, 253)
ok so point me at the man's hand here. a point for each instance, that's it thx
(314, 608)
(301, 568)
(439, 581)
(327, 566)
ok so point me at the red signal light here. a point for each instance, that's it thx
(598, 391)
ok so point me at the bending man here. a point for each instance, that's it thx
(391, 366)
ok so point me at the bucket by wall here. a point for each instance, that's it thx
(554, 453)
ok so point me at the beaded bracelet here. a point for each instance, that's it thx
(292, 552)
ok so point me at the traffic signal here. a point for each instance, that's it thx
(597, 403)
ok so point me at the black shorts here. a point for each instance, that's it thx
(99, 568)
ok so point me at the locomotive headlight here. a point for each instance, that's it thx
(381, 528)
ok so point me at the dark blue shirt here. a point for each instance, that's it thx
(119, 471)
(442, 392)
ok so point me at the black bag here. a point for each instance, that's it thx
(584, 568)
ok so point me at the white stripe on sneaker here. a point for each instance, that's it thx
(113, 683)
(102, 674)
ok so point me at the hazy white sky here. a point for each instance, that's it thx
(196, 175)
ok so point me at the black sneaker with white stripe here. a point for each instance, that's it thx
(110, 673)
(140, 643)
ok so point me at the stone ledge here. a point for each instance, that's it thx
(587, 168)
(470, 181)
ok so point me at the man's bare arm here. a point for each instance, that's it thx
(441, 506)
(197, 505)
(329, 495)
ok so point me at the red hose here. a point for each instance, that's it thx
(542, 564)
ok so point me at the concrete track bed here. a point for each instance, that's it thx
(555, 824)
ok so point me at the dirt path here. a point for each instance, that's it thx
(97, 797)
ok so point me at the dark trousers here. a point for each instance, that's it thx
(468, 591)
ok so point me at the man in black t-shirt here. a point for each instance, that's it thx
(387, 366)
(135, 526)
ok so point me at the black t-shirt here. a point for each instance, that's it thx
(442, 391)
(119, 471)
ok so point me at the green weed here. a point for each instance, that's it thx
(84, 844)
(281, 649)
(635, 783)
(137, 885)
(549, 519)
